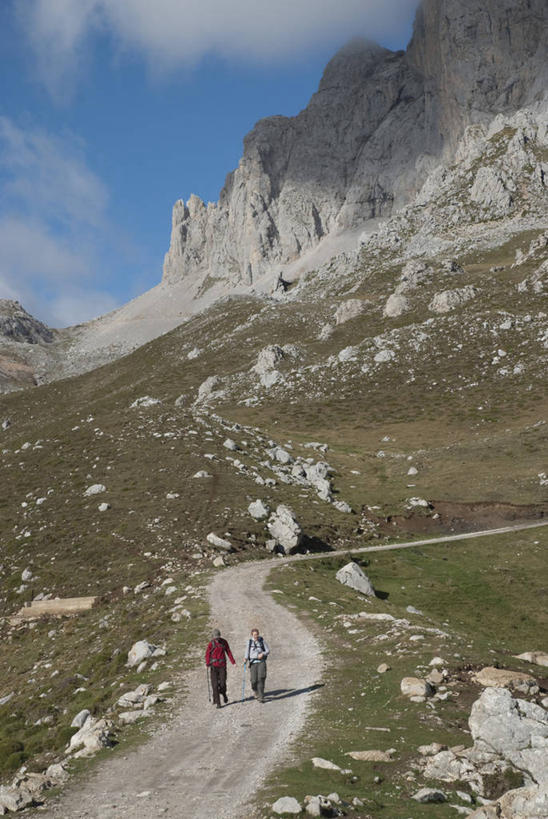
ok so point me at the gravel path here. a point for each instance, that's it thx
(208, 762)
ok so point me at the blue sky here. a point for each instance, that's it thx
(110, 110)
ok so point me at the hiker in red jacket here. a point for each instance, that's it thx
(216, 654)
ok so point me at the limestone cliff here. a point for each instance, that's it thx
(367, 139)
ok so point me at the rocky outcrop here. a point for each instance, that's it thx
(18, 325)
(367, 139)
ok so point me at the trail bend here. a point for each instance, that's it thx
(206, 762)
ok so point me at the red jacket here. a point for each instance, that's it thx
(226, 650)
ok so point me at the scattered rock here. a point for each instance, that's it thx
(142, 650)
(268, 359)
(219, 542)
(319, 806)
(230, 444)
(80, 718)
(144, 402)
(352, 576)
(14, 799)
(95, 489)
(285, 529)
(415, 687)
(504, 678)
(350, 309)
(371, 756)
(258, 510)
(426, 795)
(92, 737)
(451, 299)
(383, 668)
(432, 749)
(395, 306)
(287, 804)
(535, 657)
(326, 765)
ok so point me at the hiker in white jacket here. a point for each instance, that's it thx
(256, 652)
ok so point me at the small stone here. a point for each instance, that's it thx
(383, 668)
(219, 542)
(414, 687)
(95, 489)
(427, 795)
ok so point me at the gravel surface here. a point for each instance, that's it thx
(208, 762)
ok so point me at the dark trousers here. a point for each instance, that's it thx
(218, 682)
(258, 676)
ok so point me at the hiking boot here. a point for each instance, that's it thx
(261, 699)
(225, 698)
(218, 705)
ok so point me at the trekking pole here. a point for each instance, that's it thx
(208, 684)
(243, 681)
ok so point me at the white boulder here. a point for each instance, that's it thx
(287, 804)
(349, 309)
(285, 529)
(395, 306)
(95, 489)
(219, 542)
(449, 300)
(415, 687)
(142, 650)
(258, 510)
(353, 576)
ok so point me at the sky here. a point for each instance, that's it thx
(111, 110)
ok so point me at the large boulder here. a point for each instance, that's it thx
(258, 510)
(93, 736)
(286, 805)
(491, 677)
(535, 657)
(395, 306)
(285, 529)
(521, 803)
(349, 309)
(352, 576)
(219, 542)
(142, 650)
(14, 799)
(449, 300)
(513, 729)
(268, 359)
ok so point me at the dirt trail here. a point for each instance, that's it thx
(206, 762)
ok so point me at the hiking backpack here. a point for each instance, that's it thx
(261, 643)
(217, 653)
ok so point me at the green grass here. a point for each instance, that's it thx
(486, 594)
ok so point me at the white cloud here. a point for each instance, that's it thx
(52, 221)
(171, 32)
(46, 172)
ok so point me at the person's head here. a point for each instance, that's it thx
(216, 633)
(255, 633)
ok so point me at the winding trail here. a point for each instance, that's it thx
(206, 762)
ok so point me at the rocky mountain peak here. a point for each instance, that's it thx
(364, 145)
